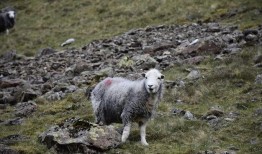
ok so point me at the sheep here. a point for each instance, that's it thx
(7, 19)
(119, 100)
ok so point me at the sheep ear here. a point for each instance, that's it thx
(143, 74)
(162, 76)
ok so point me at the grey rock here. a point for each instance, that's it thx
(194, 60)
(4, 149)
(9, 56)
(144, 61)
(80, 67)
(7, 83)
(25, 109)
(108, 71)
(12, 139)
(178, 112)
(71, 89)
(258, 59)
(251, 37)
(250, 31)
(258, 79)
(82, 80)
(254, 141)
(189, 116)
(70, 71)
(7, 98)
(45, 51)
(28, 94)
(214, 111)
(85, 136)
(213, 27)
(53, 96)
(15, 121)
(193, 75)
(258, 112)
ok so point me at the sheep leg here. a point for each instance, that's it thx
(143, 133)
(126, 132)
(7, 31)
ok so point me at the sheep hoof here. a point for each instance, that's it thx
(145, 143)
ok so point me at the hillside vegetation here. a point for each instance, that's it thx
(48, 23)
(227, 83)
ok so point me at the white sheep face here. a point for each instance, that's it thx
(153, 80)
(11, 14)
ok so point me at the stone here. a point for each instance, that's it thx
(45, 51)
(25, 109)
(258, 79)
(7, 83)
(29, 94)
(15, 121)
(258, 112)
(9, 56)
(250, 31)
(80, 67)
(251, 37)
(54, 96)
(194, 60)
(79, 136)
(145, 61)
(7, 98)
(214, 112)
(4, 149)
(193, 75)
(189, 116)
(213, 27)
(106, 72)
(178, 112)
(126, 62)
(12, 139)
(258, 59)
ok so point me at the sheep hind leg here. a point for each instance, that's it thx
(142, 127)
(126, 132)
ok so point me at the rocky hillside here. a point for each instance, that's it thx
(52, 74)
(53, 77)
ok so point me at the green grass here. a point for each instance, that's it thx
(225, 84)
(48, 114)
(170, 134)
(48, 23)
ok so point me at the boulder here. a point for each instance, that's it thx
(193, 75)
(258, 79)
(45, 51)
(144, 61)
(4, 149)
(80, 136)
(25, 109)
(15, 121)
(12, 139)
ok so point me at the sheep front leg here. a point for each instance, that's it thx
(143, 133)
(126, 132)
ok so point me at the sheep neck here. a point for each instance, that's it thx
(151, 101)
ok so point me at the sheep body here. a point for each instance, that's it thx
(7, 19)
(118, 100)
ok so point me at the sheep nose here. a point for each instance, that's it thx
(150, 86)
